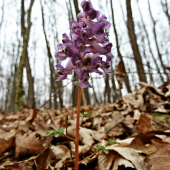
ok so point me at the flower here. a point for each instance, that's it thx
(89, 41)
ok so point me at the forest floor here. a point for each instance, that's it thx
(139, 123)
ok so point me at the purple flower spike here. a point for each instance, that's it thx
(86, 5)
(89, 40)
(89, 10)
(83, 76)
(64, 71)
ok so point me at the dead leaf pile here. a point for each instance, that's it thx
(138, 122)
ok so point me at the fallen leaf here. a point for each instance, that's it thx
(41, 161)
(144, 124)
(160, 160)
(7, 140)
(131, 155)
(120, 74)
(85, 136)
(117, 117)
(28, 144)
(119, 161)
(105, 160)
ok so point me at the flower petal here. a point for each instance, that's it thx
(98, 48)
(84, 85)
(60, 56)
(62, 77)
(106, 70)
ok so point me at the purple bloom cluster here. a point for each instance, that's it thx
(89, 40)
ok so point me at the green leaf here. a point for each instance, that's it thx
(105, 151)
(56, 134)
(81, 114)
(102, 148)
(61, 130)
(98, 146)
(50, 132)
(111, 142)
(87, 113)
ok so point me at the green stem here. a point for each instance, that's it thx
(77, 131)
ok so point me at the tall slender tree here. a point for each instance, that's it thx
(24, 61)
(118, 47)
(156, 41)
(166, 10)
(50, 59)
(134, 45)
(149, 43)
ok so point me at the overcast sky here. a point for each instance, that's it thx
(38, 58)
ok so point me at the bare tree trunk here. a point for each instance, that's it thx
(118, 48)
(53, 88)
(134, 45)
(94, 93)
(107, 91)
(166, 10)
(1, 21)
(76, 6)
(149, 44)
(115, 95)
(156, 41)
(19, 102)
(30, 97)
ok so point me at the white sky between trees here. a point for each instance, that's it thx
(38, 58)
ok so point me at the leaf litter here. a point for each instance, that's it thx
(138, 123)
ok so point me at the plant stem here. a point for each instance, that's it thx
(68, 137)
(70, 146)
(77, 131)
(89, 156)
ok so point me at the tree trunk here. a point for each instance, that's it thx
(30, 97)
(76, 7)
(94, 93)
(156, 41)
(134, 45)
(149, 44)
(19, 101)
(115, 95)
(166, 10)
(118, 48)
(107, 90)
(51, 63)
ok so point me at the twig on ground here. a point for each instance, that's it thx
(160, 123)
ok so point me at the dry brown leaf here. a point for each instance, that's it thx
(160, 160)
(105, 160)
(7, 140)
(85, 136)
(122, 106)
(121, 161)
(117, 117)
(42, 161)
(132, 155)
(120, 74)
(28, 144)
(144, 124)
(22, 165)
(98, 135)
(59, 151)
(116, 131)
(135, 100)
(138, 144)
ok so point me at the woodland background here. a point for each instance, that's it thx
(31, 29)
